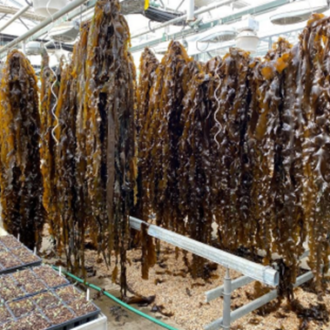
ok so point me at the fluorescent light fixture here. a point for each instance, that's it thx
(65, 32)
(219, 33)
(33, 48)
(48, 7)
(298, 11)
(248, 40)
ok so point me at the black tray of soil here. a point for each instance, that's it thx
(9, 289)
(27, 256)
(3, 248)
(22, 307)
(10, 242)
(46, 299)
(83, 311)
(47, 310)
(9, 263)
(60, 317)
(29, 282)
(5, 314)
(50, 277)
(33, 321)
(69, 293)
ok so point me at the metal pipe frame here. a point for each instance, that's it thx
(34, 32)
(13, 19)
(253, 10)
(27, 14)
(184, 17)
(190, 10)
(237, 283)
(255, 304)
(263, 274)
(73, 14)
(227, 301)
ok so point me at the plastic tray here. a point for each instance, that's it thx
(14, 238)
(22, 286)
(14, 269)
(23, 265)
(52, 287)
(77, 321)
(74, 322)
(10, 312)
(24, 293)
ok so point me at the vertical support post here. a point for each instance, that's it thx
(190, 10)
(226, 301)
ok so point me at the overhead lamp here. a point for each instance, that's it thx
(65, 32)
(33, 48)
(248, 39)
(219, 33)
(48, 7)
(298, 11)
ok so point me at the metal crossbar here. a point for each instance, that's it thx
(251, 272)
(263, 274)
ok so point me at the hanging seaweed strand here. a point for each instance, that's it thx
(109, 103)
(20, 175)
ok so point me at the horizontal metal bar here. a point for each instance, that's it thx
(255, 304)
(263, 274)
(72, 5)
(17, 15)
(73, 14)
(235, 284)
(31, 15)
(184, 17)
(256, 10)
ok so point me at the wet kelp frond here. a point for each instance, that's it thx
(82, 207)
(110, 142)
(65, 164)
(171, 85)
(144, 116)
(312, 58)
(21, 180)
(95, 154)
(242, 144)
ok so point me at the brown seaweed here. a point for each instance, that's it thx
(21, 180)
(243, 143)
(110, 141)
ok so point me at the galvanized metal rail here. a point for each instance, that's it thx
(42, 27)
(227, 318)
(251, 271)
(263, 274)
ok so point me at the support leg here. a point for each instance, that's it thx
(226, 301)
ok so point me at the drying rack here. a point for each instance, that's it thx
(251, 272)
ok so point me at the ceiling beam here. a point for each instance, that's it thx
(254, 10)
